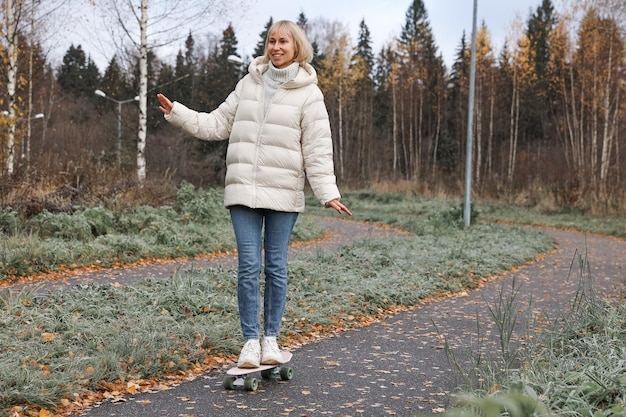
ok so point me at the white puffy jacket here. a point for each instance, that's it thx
(268, 155)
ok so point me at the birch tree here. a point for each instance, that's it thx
(588, 59)
(137, 26)
(485, 100)
(13, 11)
(520, 71)
(599, 59)
(611, 28)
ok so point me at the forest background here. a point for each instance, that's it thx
(548, 127)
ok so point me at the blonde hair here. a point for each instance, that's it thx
(303, 49)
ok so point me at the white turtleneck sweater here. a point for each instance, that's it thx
(274, 77)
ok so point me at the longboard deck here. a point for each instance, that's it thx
(236, 371)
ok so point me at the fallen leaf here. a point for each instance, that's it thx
(47, 337)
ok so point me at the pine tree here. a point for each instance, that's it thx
(364, 47)
(259, 50)
(318, 57)
(222, 76)
(220, 80)
(361, 110)
(449, 152)
(421, 100)
(184, 72)
(537, 98)
(114, 81)
(78, 75)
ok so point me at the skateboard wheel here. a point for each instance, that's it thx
(286, 374)
(229, 382)
(266, 374)
(251, 384)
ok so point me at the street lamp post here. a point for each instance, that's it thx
(119, 120)
(467, 204)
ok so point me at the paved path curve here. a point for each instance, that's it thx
(396, 366)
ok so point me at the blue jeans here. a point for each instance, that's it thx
(248, 224)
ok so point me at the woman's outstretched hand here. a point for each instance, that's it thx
(166, 105)
(336, 204)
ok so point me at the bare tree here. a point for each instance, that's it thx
(334, 80)
(13, 11)
(149, 26)
(519, 55)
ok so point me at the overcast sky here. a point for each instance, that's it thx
(384, 18)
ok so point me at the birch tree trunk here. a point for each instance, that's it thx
(513, 129)
(143, 93)
(30, 86)
(341, 167)
(606, 132)
(478, 133)
(12, 16)
(394, 134)
(492, 101)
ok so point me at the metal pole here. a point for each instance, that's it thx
(467, 206)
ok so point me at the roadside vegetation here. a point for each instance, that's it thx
(62, 351)
(575, 367)
(569, 218)
(104, 235)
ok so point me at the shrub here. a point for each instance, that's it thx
(100, 220)
(146, 220)
(201, 206)
(62, 226)
(9, 221)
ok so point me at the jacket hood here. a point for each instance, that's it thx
(306, 75)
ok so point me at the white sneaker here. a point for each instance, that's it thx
(250, 355)
(271, 352)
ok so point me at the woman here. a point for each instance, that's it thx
(278, 130)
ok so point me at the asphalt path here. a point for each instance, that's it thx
(398, 366)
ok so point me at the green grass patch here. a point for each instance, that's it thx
(565, 218)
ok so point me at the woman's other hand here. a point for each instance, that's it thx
(336, 204)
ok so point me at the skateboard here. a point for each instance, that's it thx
(241, 376)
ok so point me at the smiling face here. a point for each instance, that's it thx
(281, 48)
